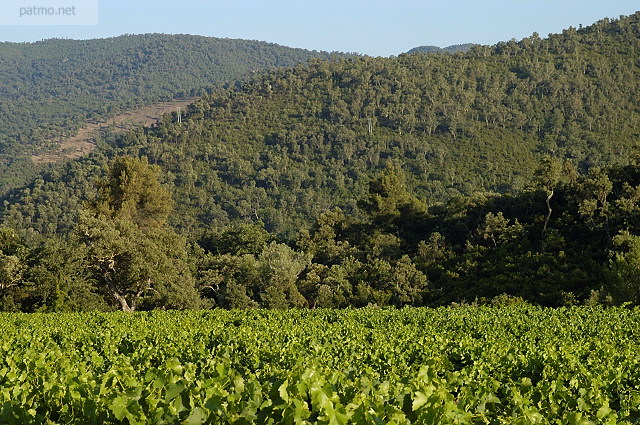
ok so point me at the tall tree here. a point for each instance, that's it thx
(389, 204)
(137, 258)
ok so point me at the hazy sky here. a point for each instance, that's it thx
(374, 27)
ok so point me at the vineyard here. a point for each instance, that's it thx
(470, 365)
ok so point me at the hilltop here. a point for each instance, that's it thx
(450, 49)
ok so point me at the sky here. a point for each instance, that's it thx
(373, 27)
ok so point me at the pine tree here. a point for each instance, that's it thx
(139, 260)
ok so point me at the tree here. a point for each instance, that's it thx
(389, 204)
(548, 176)
(231, 280)
(328, 240)
(625, 267)
(280, 267)
(12, 268)
(132, 192)
(59, 279)
(236, 239)
(409, 285)
(136, 257)
(433, 250)
(497, 229)
(594, 190)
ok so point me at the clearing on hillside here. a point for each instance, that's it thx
(83, 142)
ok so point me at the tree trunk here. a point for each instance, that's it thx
(124, 305)
(546, 221)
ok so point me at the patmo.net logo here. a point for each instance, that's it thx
(48, 12)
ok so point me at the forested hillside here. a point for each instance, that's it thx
(50, 88)
(292, 143)
(417, 180)
(569, 239)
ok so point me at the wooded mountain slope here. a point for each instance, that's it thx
(50, 88)
(292, 143)
(355, 182)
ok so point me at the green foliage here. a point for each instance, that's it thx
(236, 239)
(136, 257)
(12, 267)
(625, 266)
(409, 366)
(285, 146)
(59, 279)
(279, 268)
(309, 186)
(389, 205)
(50, 88)
(131, 192)
(497, 229)
(450, 49)
(58, 83)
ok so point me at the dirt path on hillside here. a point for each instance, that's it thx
(83, 141)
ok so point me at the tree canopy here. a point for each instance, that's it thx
(136, 257)
(506, 172)
(51, 88)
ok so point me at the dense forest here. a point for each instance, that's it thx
(501, 174)
(50, 88)
(570, 238)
